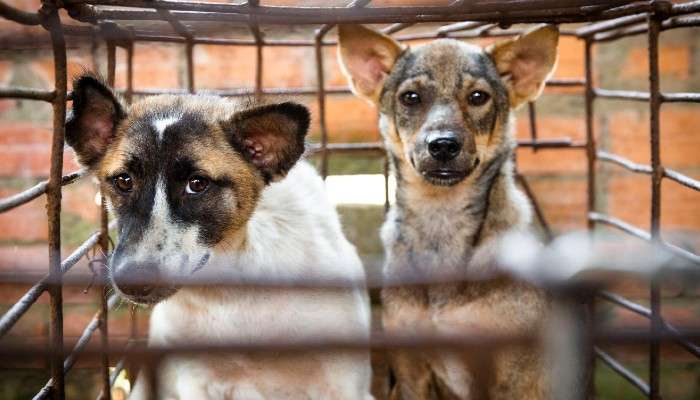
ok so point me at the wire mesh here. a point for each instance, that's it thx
(106, 20)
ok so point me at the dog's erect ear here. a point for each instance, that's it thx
(93, 121)
(526, 62)
(271, 137)
(366, 58)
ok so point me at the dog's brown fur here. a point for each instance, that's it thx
(447, 230)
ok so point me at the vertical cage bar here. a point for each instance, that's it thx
(318, 47)
(591, 189)
(189, 50)
(111, 62)
(52, 22)
(532, 117)
(129, 93)
(656, 176)
(255, 30)
(258, 69)
(104, 295)
(590, 134)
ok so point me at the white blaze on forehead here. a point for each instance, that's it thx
(160, 124)
(160, 214)
(174, 247)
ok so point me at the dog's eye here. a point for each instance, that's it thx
(123, 183)
(478, 98)
(410, 98)
(197, 184)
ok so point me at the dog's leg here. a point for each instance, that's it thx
(413, 377)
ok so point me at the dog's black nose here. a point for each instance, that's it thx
(444, 148)
(136, 279)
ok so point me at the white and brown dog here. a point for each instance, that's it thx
(446, 116)
(200, 183)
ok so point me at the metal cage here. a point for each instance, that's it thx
(604, 21)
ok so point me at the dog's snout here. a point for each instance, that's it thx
(137, 279)
(444, 147)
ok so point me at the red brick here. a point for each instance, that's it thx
(551, 161)
(288, 67)
(155, 66)
(25, 223)
(348, 118)
(679, 206)
(629, 135)
(563, 201)
(674, 60)
(629, 198)
(78, 61)
(26, 151)
(219, 67)
(571, 58)
(551, 127)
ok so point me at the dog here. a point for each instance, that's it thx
(201, 183)
(446, 115)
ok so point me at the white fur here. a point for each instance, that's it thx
(294, 233)
(160, 124)
(165, 241)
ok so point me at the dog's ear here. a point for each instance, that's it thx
(526, 62)
(366, 58)
(91, 126)
(271, 137)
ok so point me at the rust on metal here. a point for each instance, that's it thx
(607, 21)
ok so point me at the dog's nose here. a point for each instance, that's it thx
(136, 279)
(444, 148)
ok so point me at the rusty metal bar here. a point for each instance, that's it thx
(671, 23)
(682, 179)
(654, 21)
(377, 340)
(321, 102)
(304, 91)
(620, 369)
(27, 93)
(150, 37)
(532, 118)
(645, 312)
(259, 43)
(35, 191)
(84, 339)
(521, 11)
(642, 234)
(459, 26)
(19, 16)
(393, 28)
(319, 34)
(621, 161)
(616, 23)
(316, 148)
(644, 96)
(129, 92)
(52, 22)
(590, 135)
(647, 169)
(18, 309)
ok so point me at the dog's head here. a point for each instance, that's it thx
(182, 174)
(445, 106)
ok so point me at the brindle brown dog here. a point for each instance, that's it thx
(446, 115)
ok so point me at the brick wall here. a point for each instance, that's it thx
(557, 177)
